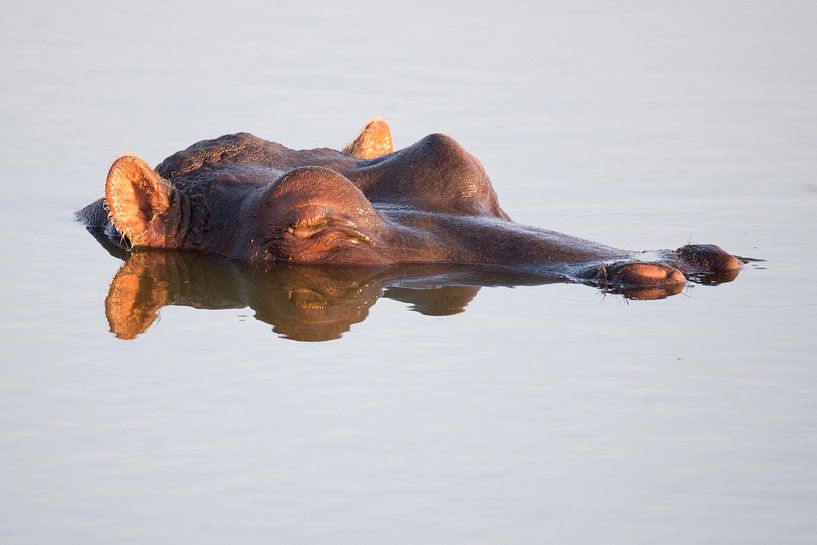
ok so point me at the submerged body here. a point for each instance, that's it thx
(253, 200)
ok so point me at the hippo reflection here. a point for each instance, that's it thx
(248, 199)
(303, 302)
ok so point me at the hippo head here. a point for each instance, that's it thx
(249, 199)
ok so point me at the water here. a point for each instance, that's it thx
(537, 413)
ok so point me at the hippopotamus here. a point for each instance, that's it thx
(252, 200)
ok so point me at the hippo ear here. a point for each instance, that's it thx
(373, 141)
(138, 200)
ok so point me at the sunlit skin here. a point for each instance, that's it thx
(252, 200)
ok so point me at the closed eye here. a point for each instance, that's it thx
(306, 229)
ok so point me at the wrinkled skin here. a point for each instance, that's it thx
(252, 200)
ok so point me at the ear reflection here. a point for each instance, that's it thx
(136, 294)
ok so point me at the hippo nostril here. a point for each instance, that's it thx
(708, 258)
(732, 263)
(642, 274)
(676, 277)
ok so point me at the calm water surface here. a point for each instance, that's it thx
(499, 415)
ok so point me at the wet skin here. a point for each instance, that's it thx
(251, 200)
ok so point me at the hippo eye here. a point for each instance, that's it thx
(305, 220)
(305, 229)
(312, 220)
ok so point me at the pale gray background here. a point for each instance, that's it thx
(542, 414)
